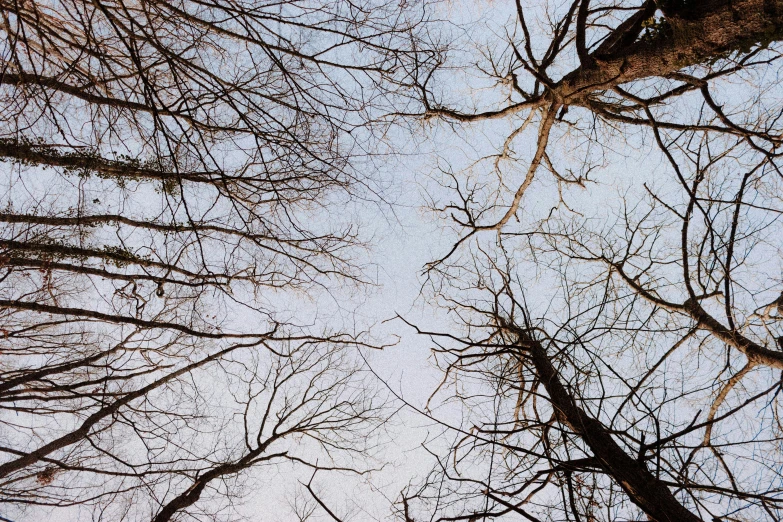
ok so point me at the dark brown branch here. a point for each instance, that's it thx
(644, 489)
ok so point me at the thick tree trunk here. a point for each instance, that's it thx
(711, 30)
(641, 486)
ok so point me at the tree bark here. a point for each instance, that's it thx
(714, 29)
(641, 486)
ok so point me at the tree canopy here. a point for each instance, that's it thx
(603, 296)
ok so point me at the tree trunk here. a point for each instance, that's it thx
(641, 486)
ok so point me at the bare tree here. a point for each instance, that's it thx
(614, 69)
(613, 362)
(597, 409)
(171, 171)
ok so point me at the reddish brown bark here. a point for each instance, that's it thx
(715, 30)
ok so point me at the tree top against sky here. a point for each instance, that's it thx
(190, 231)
